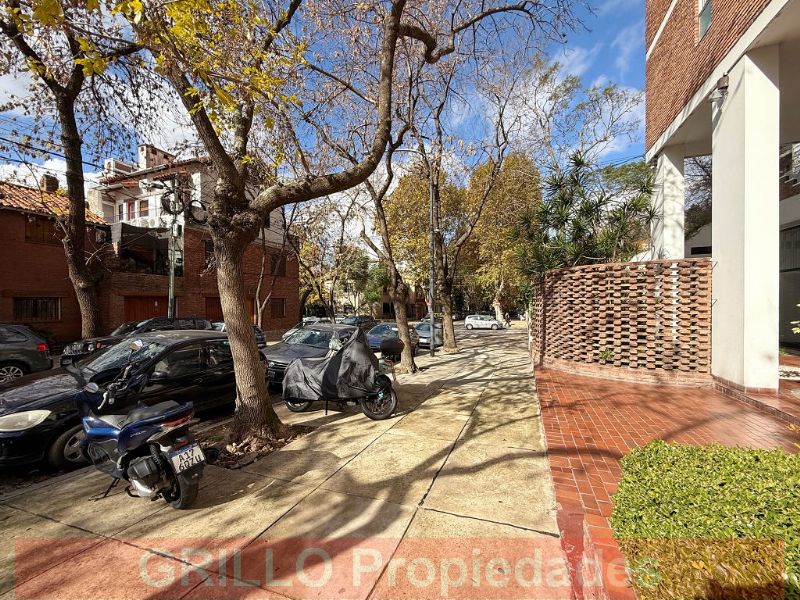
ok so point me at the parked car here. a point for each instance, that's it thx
(424, 333)
(387, 331)
(339, 318)
(315, 320)
(39, 419)
(297, 327)
(22, 352)
(482, 322)
(82, 348)
(261, 339)
(458, 316)
(364, 322)
(310, 341)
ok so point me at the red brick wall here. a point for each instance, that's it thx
(198, 284)
(648, 321)
(35, 269)
(680, 61)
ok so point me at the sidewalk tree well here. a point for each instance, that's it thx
(268, 87)
(87, 84)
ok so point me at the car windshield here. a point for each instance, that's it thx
(126, 328)
(310, 337)
(351, 321)
(384, 330)
(117, 356)
(218, 326)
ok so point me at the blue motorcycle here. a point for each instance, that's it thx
(150, 447)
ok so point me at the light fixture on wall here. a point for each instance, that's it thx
(721, 90)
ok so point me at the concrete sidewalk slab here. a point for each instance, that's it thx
(394, 468)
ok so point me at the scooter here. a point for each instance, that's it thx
(150, 447)
(349, 374)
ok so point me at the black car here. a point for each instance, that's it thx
(82, 348)
(364, 322)
(309, 342)
(261, 339)
(39, 418)
(22, 352)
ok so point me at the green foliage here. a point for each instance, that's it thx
(589, 215)
(377, 280)
(707, 518)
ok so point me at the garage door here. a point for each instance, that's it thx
(139, 308)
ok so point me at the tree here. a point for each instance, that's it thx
(698, 193)
(516, 192)
(588, 215)
(263, 86)
(81, 66)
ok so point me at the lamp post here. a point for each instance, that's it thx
(170, 208)
(432, 194)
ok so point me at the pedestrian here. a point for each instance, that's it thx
(507, 318)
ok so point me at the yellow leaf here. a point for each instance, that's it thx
(47, 12)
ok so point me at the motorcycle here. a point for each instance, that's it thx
(150, 447)
(349, 374)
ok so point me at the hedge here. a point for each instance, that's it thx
(710, 522)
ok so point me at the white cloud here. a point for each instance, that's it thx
(577, 60)
(29, 174)
(12, 89)
(628, 43)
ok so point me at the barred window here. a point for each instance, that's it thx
(37, 309)
(278, 265)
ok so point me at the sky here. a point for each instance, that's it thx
(608, 49)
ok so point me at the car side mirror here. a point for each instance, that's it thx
(335, 344)
(91, 387)
(157, 376)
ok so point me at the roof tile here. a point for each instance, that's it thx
(20, 197)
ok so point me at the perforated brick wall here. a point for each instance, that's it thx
(646, 321)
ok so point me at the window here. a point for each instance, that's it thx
(8, 335)
(219, 353)
(700, 250)
(277, 308)
(144, 208)
(790, 249)
(208, 245)
(131, 210)
(705, 17)
(41, 231)
(121, 211)
(37, 309)
(182, 362)
(278, 265)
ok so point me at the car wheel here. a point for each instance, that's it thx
(11, 370)
(65, 452)
(469, 326)
(494, 327)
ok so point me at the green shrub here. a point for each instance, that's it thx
(708, 522)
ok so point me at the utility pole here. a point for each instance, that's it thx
(432, 192)
(173, 223)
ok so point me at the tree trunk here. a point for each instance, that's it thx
(254, 414)
(498, 307)
(74, 226)
(304, 294)
(399, 294)
(444, 288)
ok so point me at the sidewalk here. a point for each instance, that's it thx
(590, 423)
(453, 496)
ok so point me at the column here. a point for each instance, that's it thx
(669, 201)
(745, 233)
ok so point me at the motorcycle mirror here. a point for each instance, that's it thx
(91, 387)
(335, 344)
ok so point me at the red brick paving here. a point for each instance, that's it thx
(591, 423)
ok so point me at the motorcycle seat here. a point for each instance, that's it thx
(138, 414)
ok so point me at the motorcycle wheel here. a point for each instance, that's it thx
(183, 493)
(297, 406)
(379, 409)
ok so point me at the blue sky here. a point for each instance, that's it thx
(611, 49)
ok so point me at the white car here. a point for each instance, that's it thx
(482, 322)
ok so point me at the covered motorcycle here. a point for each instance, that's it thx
(350, 373)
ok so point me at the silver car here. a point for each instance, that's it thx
(482, 322)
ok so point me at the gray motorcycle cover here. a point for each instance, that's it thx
(350, 373)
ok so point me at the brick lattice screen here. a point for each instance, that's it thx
(646, 321)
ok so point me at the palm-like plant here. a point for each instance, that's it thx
(588, 215)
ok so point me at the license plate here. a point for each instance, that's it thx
(272, 374)
(186, 458)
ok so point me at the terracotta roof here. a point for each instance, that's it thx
(14, 196)
(169, 167)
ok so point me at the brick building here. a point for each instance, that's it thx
(129, 230)
(34, 284)
(722, 80)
